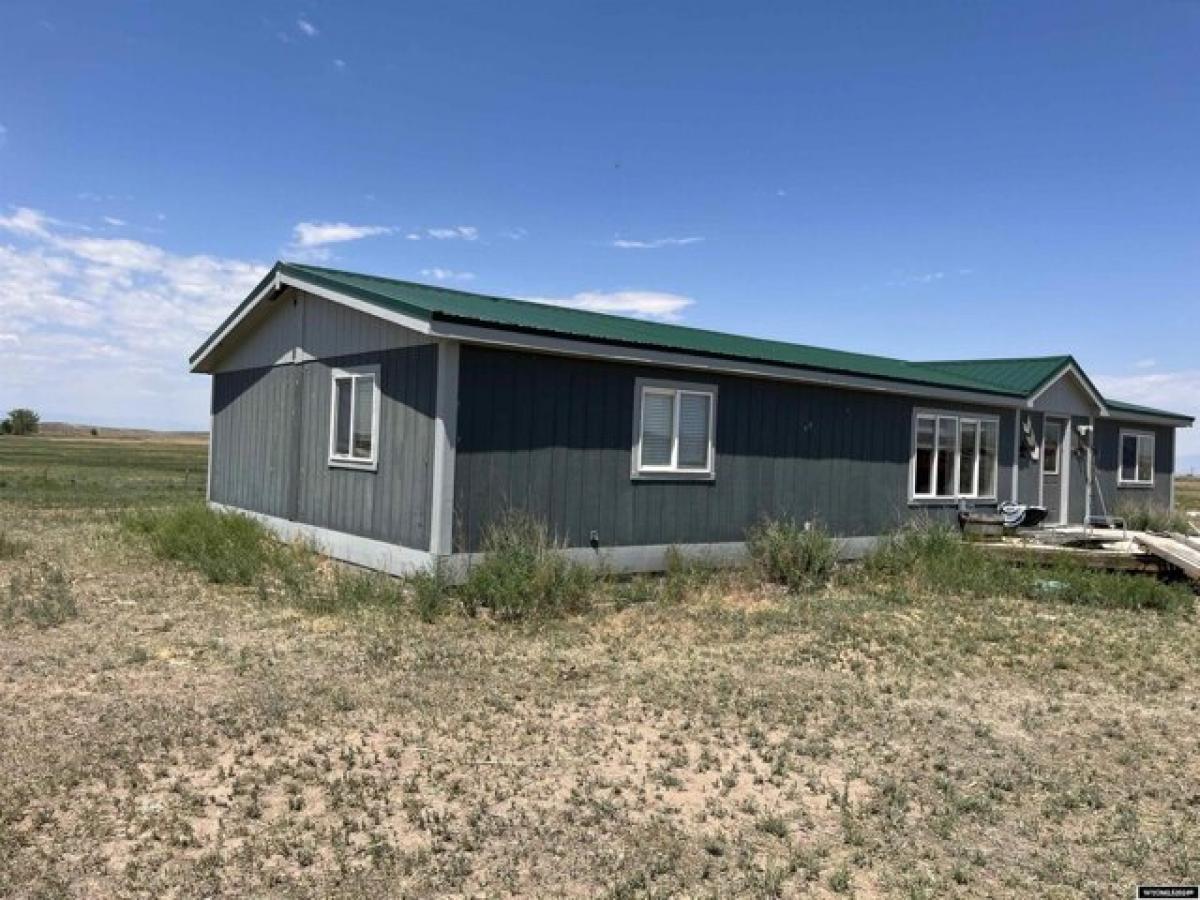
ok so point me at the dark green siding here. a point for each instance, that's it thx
(553, 435)
(270, 446)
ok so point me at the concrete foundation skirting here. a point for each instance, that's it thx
(396, 560)
(366, 552)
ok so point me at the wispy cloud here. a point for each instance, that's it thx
(307, 28)
(3, 135)
(906, 278)
(655, 244)
(1177, 391)
(455, 233)
(447, 275)
(641, 304)
(126, 313)
(316, 234)
(1148, 363)
(114, 221)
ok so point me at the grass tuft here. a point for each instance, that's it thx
(41, 597)
(10, 547)
(226, 548)
(797, 557)
(1149, 517)
(523, 575)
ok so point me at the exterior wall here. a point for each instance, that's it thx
(1029, 470)
(1077, 487)
(553, 435)
(270, 424)
(1108, 453)
(1066, 397)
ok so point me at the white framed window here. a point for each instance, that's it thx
(1052, 436)
(354, 418)
(674, 425)
(1137, 459)
(954, 455)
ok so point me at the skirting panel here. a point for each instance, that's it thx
(396, 560)
(366, 552)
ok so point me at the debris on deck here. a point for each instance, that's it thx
(1126, 551)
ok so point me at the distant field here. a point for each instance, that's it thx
(1187, 493)
(698, 735)
(53, 472)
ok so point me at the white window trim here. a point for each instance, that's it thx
(1135, 481)
(959, 417)
(677, 389)
(341, 461)
(1064, 425)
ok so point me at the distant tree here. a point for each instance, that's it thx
(23, 421)
(6, 427)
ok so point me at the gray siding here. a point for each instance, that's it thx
(1029, 470)
(390, 504)
(270, 446)
(1066, 397)
(251, 445)
(553, 435)
(1108, 458)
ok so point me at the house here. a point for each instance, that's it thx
(390, 422)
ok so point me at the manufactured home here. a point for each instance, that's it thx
(389, 422)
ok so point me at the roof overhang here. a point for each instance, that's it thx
(276, 281)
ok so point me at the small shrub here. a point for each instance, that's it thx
(523, 573)
(1111, 590)
(791, 555)
(225, 547)
(929, 558)
(42, 597)
(354, 590)
(10, 547)
(429, 590)
(1149, 517)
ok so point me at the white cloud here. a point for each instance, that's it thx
(458, 232)
(315, 234)
(1148, 363)
(114, 221)
(642, 304)
(627, 244)
(126, 314)
(3, 135)
(307, 27)
(447, 275)
(1175, 391)
(339, 64)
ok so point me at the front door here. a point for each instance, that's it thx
(1053, 476)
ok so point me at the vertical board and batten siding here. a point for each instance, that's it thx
(391, 503)
(251, 443)
(1029, 470)
(1108, 455)
(554, 435)
(270, 437)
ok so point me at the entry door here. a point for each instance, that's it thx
(1053, 474)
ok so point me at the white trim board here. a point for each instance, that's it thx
(367, 552)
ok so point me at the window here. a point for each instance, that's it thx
(1137, 458)
(674, 429)
(354, 418)
(954, 456)
(1052, 447)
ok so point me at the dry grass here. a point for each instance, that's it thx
(179, 738)
(1187, 493)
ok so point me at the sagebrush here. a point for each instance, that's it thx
(793, 555)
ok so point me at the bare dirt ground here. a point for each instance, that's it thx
(173, 738)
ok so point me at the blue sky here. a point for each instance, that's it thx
(915, 180)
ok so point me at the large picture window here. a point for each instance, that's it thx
(954, 456)
(354, 418)
(674, 429)
(1137, 458)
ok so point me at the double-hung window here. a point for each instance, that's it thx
(1137, 458)
(673, 429)
(954, 456)
(354, 418)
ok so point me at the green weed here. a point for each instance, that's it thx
(226, 548)
(797, 557)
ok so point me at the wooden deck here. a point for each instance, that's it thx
(1178, 552)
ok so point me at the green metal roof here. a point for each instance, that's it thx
(429, 302)
(1023, 375)
(1005, 377)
